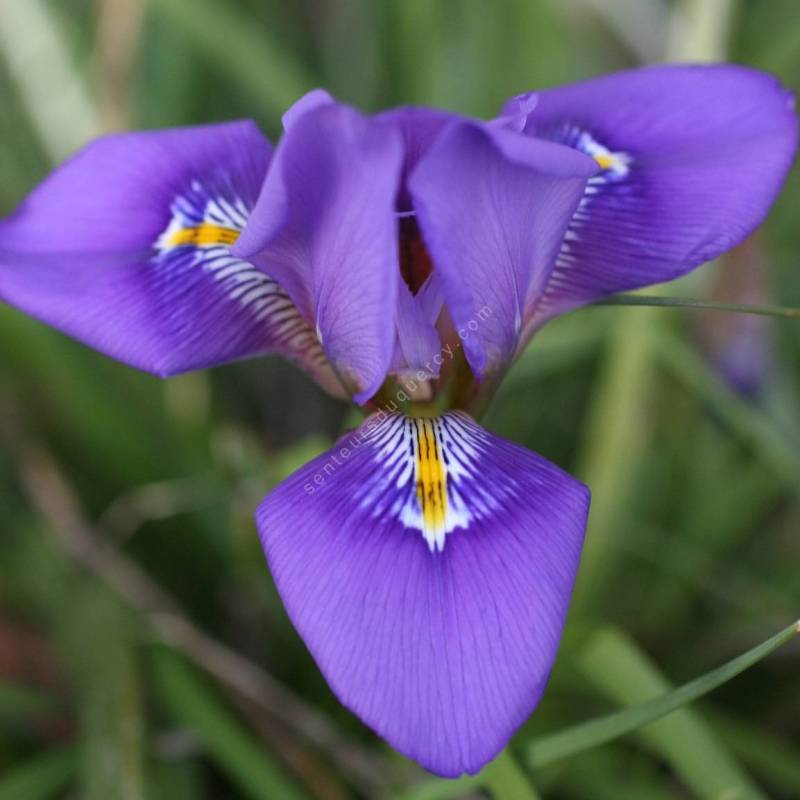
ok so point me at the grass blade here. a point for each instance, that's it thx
(751, 424)
(40, 778)
(546, 749)
(618, 429)
(620, 670)
(191, 702)
(652, 301)
(49, 84)
(20, 702)
(272, 77)
(99, 641)
(763, 752)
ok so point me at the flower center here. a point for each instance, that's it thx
(415, 262)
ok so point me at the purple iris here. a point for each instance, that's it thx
(404, 260)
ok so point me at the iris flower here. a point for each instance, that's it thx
(404, 260)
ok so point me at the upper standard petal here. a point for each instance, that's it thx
(419, 127)
(493, 207)
(428, 566)
(418, 341)
(325, 227)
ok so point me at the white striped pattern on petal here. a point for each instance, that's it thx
(428, 474)
(204, 226)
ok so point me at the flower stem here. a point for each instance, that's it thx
(506, 780)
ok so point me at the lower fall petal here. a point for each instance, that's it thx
(428, 566)
(127, 247)
(691, 157)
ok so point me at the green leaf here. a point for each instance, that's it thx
(99, 639)
(611, 659)
(617, 430)
(62, 120)
(622, 671)
(350, 38)
(747, 421)
(40, 778)
(18, 702)
(612, 772)
(248, 53)
(765, 753)
(121, 433)
(192, 702)
(651, 301)
(419, 46)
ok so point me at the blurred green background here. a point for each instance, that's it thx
(144, 652)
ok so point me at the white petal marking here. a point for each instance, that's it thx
(616, 167)
(427, 474)
(203, 227)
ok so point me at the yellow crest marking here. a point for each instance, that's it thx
(431, 477)
(605, 161)
(203, 235)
